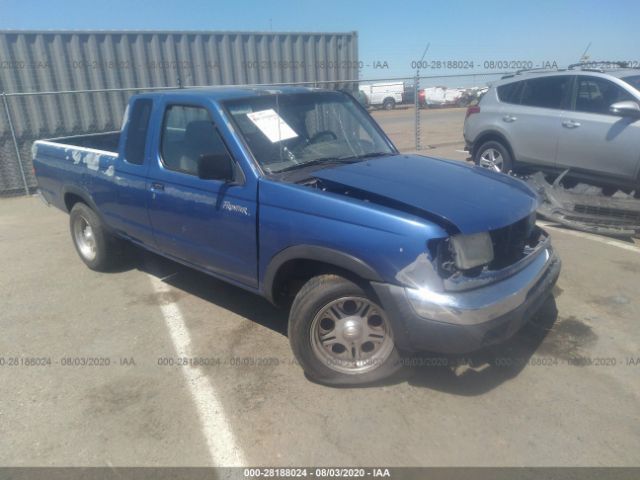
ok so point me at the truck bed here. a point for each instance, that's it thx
(107, 142)
(83, 161)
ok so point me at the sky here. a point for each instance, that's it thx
(391, 35)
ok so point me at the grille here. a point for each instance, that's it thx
(509, 242)
(616, 213)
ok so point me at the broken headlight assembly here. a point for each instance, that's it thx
(466, 261)
(447, 257)
(470, 251)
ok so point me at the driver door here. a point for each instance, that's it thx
(209, 223)
(594, 139)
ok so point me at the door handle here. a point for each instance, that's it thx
(570, 124)
(509, 118)
(158, 187)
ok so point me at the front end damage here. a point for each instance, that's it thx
(467, 311)
(441, 308)
(584, 207)
(467, 289)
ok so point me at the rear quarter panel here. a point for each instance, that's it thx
(488, 120)
(63, 168)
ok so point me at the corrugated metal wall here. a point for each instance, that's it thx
(50, 61)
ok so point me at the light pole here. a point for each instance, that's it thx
(416, 88)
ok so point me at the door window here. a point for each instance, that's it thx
(188, 133)
(596, 95)
(546, 92)
(633, 80)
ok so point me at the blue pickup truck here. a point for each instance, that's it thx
(297, 195)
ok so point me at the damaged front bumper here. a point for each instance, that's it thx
(611, 216)
(464, 321)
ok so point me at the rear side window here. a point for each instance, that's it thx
(137, 131)
(188, 133)
(510, 93)
(546, 92)
(596, 95)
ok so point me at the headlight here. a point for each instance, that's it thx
(472, 250)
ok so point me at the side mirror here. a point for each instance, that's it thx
(215, 167)
(627, 108)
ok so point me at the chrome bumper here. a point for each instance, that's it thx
(489, 301)
(465, 321)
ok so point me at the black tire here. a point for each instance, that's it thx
(507, 160)
(389, 104)
(106, 249)
(310, 301)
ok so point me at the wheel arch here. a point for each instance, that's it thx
(492, 135)
(72, 195)
(301, 262)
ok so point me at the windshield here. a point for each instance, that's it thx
(633, 80)
(292, 131)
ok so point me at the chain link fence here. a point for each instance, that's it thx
(410, 121)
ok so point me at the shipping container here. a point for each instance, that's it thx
(33, 64)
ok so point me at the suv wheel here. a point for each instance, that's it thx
(495, 156)
(339, 333)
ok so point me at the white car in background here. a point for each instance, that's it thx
(445, 96)
(386, 95)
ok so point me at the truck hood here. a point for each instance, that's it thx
(465, 198)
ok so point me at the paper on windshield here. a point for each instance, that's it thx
(272, 125)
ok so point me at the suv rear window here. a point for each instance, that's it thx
(546, 92)
(510, 93)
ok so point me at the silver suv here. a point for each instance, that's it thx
(584, 119)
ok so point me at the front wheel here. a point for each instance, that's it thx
(340, 334)
(494, 156)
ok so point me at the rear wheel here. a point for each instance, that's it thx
(495, 156)
(389, 104)
(340, 334)
(96, 247)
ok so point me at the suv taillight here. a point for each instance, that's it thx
(471, 110)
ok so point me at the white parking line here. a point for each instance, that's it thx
(223, 448)
(592, 237)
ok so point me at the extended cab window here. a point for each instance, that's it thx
(510, 93)
(188, 133)
(546, 92)
(596, 95)
(137, 131)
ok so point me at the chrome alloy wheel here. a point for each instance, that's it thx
(84, 238)
(351, 335)
(492, 159)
